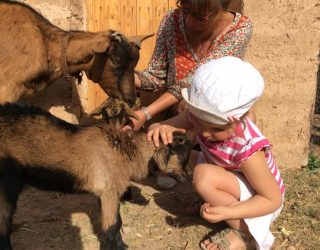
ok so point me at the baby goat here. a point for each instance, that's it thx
(41, 150)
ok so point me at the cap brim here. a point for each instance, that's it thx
(201, 113)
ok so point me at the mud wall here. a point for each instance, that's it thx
(285, 48)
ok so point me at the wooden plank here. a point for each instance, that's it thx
(88, 6)
(95, 94)
(103, 21)
(159, 8)
(112, 13)
(172, 4)
(145, 27)
(96, 18)
(92, 25)
(128, 17)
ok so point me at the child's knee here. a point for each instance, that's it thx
(202, 176)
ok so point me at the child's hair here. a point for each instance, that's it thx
(222, 88)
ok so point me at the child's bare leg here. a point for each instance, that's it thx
(218, 186)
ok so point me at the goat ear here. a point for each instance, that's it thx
(102, 45)
(139, 39)
(104, 42)
(97, 67)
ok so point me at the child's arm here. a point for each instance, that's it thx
(165, 128)
(267, 200)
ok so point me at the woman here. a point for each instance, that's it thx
(192, 34)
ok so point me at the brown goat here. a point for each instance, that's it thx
(34, 53)
(41, 150)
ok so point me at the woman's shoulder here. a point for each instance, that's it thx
(171, 15)
(242, 20)
(169, 19)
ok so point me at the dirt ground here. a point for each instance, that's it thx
(156, 219)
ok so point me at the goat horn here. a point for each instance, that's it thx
(139, 39)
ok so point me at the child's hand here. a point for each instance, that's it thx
(157, 130)
(214, 214)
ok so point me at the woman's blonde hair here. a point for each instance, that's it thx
(205, 6)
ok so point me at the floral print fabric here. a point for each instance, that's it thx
(173, 61)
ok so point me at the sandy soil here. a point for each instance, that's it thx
(156, 219)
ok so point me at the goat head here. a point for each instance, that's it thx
(115, 111)
(172, 159)
(113, 68)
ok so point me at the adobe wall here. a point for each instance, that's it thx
(285, 48)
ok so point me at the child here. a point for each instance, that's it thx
(236, 175)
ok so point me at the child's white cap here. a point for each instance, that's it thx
(222, 88)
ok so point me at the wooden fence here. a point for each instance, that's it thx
(131, 17)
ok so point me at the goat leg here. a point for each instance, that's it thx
(111, 222)
(5, 221)
(10, 187)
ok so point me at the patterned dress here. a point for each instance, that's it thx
(174, 61)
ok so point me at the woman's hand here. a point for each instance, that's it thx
(214, 214)
(136, 124)
(165, 132)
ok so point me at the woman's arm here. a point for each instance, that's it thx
(155, 75)
(164, 101)
(137, 81)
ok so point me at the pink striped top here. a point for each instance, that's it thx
(230, 153)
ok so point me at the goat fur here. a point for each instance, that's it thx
(34, 53)
(40, 150)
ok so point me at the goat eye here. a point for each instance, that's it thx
(115, 60)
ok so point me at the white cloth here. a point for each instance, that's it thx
(259, 227)
(223, 87)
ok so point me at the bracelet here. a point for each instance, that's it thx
(146, 113)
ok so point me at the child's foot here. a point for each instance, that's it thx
(228, 239)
